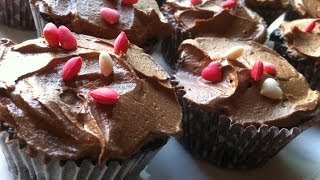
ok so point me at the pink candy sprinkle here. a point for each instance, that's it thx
(51, 34)
(106, 96)
(310, 26)
(121, 44)
(212, 72)
(71, 68)
(67, 39)
(195, 2)
(129, 2)
(110, 15)
(269, 68)
(229, 4)
(257, 71)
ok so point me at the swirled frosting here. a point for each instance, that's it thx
(59, 118)
(237, 95)
(307, 8)
(273, 4)
(299, 42)
(141, 21)
(210, 19)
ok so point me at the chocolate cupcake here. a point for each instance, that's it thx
(142, 22)
(270, 10)
(16, 13)
(209, 19)
(241, 117)
(54, 126)
(304, 9)
(298, 41)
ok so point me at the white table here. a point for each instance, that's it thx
(298, 160)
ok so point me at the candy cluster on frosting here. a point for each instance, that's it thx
(67, 40)
(270, 87)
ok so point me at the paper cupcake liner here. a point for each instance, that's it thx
(269, 15)
(170, 45)
(41, 20)
(309, 68)
(212, 136)
(16, 13)
(292, 15)
(24, 167)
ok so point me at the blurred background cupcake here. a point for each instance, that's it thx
(142, 22)
(242, 102)
(304, 9)
(298, 41)
(270, 10)
(209, 18)
(16, 13)
(85, 113)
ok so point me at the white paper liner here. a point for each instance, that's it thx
(16, 13)
(24, 167)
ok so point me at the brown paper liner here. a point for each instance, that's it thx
(170, 45)
(16, 13)
(22, 166)
(213, 137)
(269, 15)
(309, 68)
(160, 2)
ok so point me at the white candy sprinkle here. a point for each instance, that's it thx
(234, 53)
(270, 88)
(105, 63)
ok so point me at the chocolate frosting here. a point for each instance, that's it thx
(141, 22)
(59, 119)
(237, 95)
(268, 4)
(299, 42)
(307, 8)
(209, 19)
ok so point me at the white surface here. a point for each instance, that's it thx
(299, 160)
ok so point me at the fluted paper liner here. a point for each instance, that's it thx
(269, 15)
(170, 45)
(16, 13)
(212, 136)
(308, 67)
(22, 166)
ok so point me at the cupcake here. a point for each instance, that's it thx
(270, 10)
(242, 102)
(209, 19)
(298, 41)
(142, 22)
(304, 9)
(16, 13)
(61, 117)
